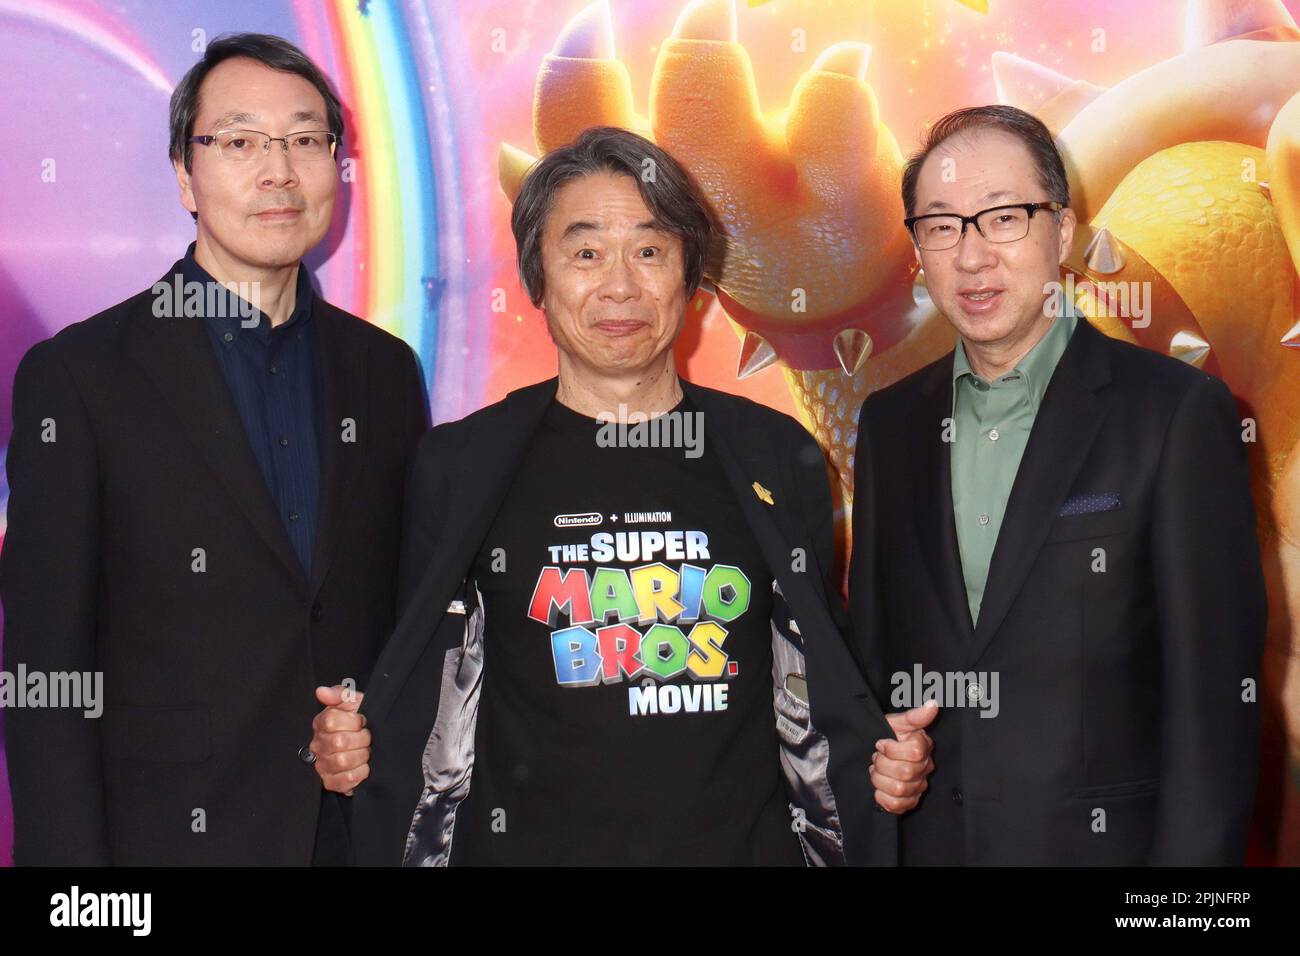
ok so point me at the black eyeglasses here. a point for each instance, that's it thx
(942, 230)
(241, 145)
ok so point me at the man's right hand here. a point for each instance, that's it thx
(340, 740)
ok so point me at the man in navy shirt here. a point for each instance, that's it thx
(206, 487)
(271, 371)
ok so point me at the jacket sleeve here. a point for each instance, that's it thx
(425, 492)
(812, 478)
(418, 397)
(1211, 604)
(866, 619)
(49, 571)
(379, 814)
(876, 833)
(415, 425)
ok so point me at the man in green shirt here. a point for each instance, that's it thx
(1053, 532)
(991, 425)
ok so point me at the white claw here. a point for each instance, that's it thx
(850, 58)
(589, 35)
(1024, 83)
(707, 20)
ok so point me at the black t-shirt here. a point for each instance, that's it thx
(588, 751)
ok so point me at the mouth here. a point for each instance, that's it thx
(279, 214)
(979, 300)
(619, 327)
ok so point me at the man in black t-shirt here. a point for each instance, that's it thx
(620, 642)
(635, 657)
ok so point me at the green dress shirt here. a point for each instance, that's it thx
(991, 424)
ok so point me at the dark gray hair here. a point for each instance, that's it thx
(665, 187)
(1024, 126)
(275, 52)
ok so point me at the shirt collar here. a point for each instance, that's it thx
(1035, 368)
(232, 319)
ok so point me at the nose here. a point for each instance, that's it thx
(620, 283)
(275, 170)
(974, 252)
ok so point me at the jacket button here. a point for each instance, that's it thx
(956, 795)
(316, 613)
(305, 755)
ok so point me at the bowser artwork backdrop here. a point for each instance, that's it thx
(1179, 121)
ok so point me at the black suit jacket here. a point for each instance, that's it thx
(1121, 636)
(461, 475)
(209, 675)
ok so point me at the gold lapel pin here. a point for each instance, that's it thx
(764, 495)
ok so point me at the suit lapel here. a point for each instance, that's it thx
(482, 470)
(931, 458)
(747, 457)
(175, 355)
(1063, 433)
(341, 372)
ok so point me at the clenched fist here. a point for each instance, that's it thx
(340, 740)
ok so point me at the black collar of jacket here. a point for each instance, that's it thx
(1064, 429)
(176, 355)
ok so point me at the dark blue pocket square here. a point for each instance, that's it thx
(1089, 504)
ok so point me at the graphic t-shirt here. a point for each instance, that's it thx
(625, 715)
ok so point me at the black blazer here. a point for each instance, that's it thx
(1122, 736)
(462, 473)
(208, 676)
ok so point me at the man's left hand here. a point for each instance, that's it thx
(900, 769)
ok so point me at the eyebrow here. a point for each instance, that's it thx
(223, 122)
(583, 225)
(997, 194)
(226, 119)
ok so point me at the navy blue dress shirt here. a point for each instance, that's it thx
(273, 380)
